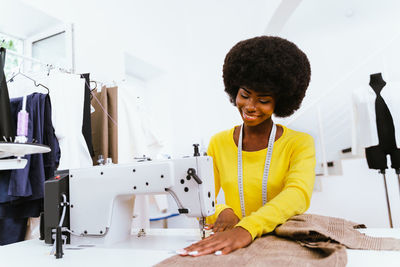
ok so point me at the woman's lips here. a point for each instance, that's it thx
(249, 117)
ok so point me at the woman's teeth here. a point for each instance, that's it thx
(248, 117)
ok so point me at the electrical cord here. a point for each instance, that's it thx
(64, 204)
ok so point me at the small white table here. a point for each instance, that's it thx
(156, 246)
(10, 149)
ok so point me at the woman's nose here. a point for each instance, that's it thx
(250, 105)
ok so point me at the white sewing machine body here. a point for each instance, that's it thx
(100, 203)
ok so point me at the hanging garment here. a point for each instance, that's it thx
(12, 230)
(6, 126)
(105, 124)
(22, 190)
(364, 128)
(87, 124)
(137, 135)
(304, 240)
(67, 95)
(29, 182)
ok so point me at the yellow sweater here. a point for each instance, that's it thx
(290, 181)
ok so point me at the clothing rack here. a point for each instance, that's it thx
(34, 60)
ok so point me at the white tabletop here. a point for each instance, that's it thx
(156, 246)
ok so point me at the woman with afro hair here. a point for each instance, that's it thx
(265, 170)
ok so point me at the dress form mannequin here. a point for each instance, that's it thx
(376, 155)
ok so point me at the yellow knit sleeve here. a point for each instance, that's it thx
(219, 207)
(295, 196)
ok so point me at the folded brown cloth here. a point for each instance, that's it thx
(104, 127)
(311, 228)
(304, 240)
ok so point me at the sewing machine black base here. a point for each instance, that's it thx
(54, 188)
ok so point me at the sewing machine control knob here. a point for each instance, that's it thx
(192, 173)
(196, 150)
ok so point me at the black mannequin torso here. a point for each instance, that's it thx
(384, 120)
(376, 155)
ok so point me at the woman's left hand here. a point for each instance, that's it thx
(225, 242)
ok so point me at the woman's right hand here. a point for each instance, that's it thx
(226, 220)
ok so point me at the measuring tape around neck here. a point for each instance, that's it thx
(266, 167)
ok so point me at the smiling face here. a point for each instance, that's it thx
(254, 107)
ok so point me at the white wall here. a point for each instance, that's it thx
(351, 41)
(187, 40)
(359, 195)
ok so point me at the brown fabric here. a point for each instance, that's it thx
(269, 250)
(105, 130)
(311, 228)
(304, 240)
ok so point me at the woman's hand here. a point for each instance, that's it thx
(220, 243)
(226, 220)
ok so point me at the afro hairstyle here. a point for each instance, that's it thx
(268, 64)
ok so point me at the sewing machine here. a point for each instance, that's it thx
(95, 205)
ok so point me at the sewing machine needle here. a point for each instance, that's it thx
(203, 224)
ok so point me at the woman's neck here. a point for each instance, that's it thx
(261, 129)
(256, 137)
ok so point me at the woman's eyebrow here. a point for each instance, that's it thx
(261, 94)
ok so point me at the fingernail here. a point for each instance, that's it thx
(218, 252)
(181, 251)
(192, 253)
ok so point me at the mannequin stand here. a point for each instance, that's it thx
(387, 197)
(398, 177)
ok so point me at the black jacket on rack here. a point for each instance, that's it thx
(7, 128)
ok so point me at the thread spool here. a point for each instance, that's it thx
(22, 123)
(23, 119)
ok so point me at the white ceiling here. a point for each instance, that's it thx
(14, 20)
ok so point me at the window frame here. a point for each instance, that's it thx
(68, 29)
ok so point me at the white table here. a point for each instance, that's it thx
(158, 245)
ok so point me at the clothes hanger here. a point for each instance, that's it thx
(92, 89)
(26, 76)
(95, 85)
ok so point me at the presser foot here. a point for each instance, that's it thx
(141, 233)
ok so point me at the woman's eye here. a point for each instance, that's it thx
(244, 96)
(264, 101)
